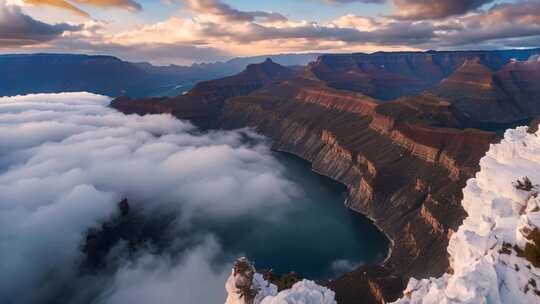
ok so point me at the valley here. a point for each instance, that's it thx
(385, 126)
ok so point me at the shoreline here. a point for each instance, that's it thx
(390, 240)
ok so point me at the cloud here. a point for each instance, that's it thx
(67, 159)
(356, 1)
(59, 4)
(502, 25)
(435, 9)
(225, 11)
(157, 53)
(18, 29)
(190, 280)
(124, 4)
(215, 30)
(67, 5)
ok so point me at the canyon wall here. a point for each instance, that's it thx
(409, 186)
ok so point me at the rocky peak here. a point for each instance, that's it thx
(266, 70)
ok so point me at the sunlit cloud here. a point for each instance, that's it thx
(209, 30)
(68, 5)
(18, 29)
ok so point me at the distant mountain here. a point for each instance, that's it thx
(205, 100)
(107, 75)
(388, 75)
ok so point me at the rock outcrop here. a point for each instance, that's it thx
(246, 286)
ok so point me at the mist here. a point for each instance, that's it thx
(66, 160)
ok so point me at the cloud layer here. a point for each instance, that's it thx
(67, 159)
(207, 30)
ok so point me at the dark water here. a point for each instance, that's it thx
(317, 236)
(500, 128)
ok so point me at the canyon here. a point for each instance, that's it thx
(402, 131)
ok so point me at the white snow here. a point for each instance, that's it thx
(498, 213)
(303, 292)
(534, 58)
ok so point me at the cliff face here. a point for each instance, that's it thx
(505, 95)
(403, 174)
(391, 75)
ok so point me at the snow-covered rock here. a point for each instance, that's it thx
(303, 292)
(486, 252)
(534, 58)
(245, 286)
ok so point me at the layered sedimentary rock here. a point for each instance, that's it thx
(499, 96)
(404, 161)
(390, 75)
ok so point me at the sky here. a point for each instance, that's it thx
(189, 31)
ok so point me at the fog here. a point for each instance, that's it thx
(66, 160)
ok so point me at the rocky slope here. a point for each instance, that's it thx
(495, 254)
(204, 102)
(500, 96)
(403, 161)
(390, 75)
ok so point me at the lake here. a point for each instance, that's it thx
(316, 236)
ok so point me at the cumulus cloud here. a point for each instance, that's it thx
(214, 30)
(67, 159)
(502, 25)
(225, 11)
(19, 29)
(435, 9)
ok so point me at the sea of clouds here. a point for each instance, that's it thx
(66, 160)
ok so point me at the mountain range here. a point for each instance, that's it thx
(54, 73)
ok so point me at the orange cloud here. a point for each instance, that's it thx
(60, 4)
(67, 5)
(125, 4)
